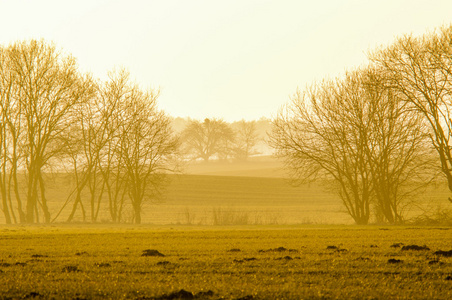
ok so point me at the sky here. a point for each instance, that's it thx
(234, 59)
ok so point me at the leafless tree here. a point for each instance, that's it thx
(209, 138)
(111, 136)
(245, 139)
(12, 134)
(46, 86)
(352, 131)
(420, 68)
(124, 148)
(115, 95)
(6, 89)
(320, 135)
(84, 143)
(398, 150)
(147, 147)
(98, 164)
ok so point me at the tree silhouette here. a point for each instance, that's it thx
(209, 138)
(356, 134)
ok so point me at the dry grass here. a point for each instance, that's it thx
(278, 262)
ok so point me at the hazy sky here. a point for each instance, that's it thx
(227, 59)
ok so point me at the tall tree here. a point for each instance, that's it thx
(245, 139)
(397, 146)
(49, 87)
(147, 147)
(420, 68)
(354, 132)
(124, 148)
(208, 138)
(11, 135)
(320, 135)
(5, 106)
(115, 95)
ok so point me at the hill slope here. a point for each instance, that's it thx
(259, 166)
(197, 198)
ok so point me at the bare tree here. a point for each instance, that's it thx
(124, 148)
(146, 147)
(321, 135)
(84, 143)
(111, 136)
(420, 69)
(102, 169)
(209, 138)
(357, 133)
(48, 88)
(6, 86)
(398, 151)
(11, 136)
(114, 95)
(245, 139)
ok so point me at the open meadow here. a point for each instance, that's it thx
(211, 262)
(224, 193)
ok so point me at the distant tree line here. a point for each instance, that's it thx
(216, 139)
(109, 135)
(379, 133)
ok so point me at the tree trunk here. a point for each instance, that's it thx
(22, 215)
(137, 216)
(32, 193)
(45, 208)
(5, 204)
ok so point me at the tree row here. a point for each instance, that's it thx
(109, 135)
(378, 134)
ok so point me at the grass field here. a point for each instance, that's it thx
(193, 199)
(262, 200)
(248, 262)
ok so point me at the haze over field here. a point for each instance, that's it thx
(198, 88)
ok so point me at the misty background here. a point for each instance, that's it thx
(173, 110)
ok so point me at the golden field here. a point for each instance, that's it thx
(246, 262)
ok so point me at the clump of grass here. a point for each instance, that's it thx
(415, 247)
(230, 217)
(68, 269)
(439, 217)
(444, 253)
(151, 252)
